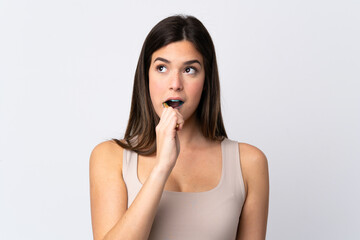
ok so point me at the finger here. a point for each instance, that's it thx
(180, 120)
(168, 114)
(174, 123)
(179, 124)
(169, 119)
(165, 114)
(164, 119)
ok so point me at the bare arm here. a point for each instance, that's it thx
(110, 217)
(253, 220)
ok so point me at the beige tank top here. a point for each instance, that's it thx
(210, 215)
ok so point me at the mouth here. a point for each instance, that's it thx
(173, 103)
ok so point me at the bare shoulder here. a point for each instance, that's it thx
(254, 163)
(251, 154)
(107, 155)
(108, 194)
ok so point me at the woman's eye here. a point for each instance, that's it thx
(190, 70)
(161, 68)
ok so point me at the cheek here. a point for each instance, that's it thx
(155, 89)
(196, 89)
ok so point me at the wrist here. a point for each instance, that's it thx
(161, 171)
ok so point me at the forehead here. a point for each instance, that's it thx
(178, 52)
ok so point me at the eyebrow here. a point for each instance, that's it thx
(185, 63)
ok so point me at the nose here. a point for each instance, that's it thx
(176, 82)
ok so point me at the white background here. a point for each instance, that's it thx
(289, 74)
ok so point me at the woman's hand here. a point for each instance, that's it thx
(167, 142)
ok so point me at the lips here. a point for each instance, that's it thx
(174, 103)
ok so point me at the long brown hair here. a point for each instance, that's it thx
(140, 135)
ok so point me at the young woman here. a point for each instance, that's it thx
(175, 174)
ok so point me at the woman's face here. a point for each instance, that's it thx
(176, 73)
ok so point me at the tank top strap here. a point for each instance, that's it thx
(126, 164)
(233, 174)
(129, 172)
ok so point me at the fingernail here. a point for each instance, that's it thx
(165, 105)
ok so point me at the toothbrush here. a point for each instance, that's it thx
(165, 105)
